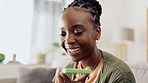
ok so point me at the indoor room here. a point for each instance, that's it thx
(30, 31)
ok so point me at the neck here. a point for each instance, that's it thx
(92, 61)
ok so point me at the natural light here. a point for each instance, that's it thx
(15, 28)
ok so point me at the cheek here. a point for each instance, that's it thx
(88, 41)
(88, 38)
(61, 42)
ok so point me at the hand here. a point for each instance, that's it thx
(62, 78)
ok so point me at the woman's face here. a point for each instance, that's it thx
(78, 35)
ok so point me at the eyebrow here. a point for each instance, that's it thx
(77, 26)
(74, 26)
(62, 28)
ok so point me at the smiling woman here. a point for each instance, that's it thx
(80, 30)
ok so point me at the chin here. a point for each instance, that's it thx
(75, 59)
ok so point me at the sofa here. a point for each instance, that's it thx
(45, 75)
(140, 71)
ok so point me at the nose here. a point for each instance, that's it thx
(70, 39)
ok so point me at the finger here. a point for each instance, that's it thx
(64, 76)
(82, 78)
(58, 71)
(53, 79)
(56, 74)
(57, 78)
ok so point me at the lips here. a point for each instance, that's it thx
(73, 51)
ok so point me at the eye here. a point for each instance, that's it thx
(78, 32)
(63, 34)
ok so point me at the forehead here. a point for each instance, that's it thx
(80, 9)
(73, 16)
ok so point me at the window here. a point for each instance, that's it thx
(15, 28)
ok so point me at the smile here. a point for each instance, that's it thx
(73, 51)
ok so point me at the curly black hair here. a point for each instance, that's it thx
(93, 6)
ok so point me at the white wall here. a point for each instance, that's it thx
(112, 17)
(125, 13)
(15, 28)
(137, 19)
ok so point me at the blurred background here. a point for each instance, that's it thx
(29, 29)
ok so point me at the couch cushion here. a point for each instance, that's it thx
(140, 70)
(35, 75)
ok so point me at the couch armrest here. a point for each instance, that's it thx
(35, 75)
(10, 79)
(140, 71)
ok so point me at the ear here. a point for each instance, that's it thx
(98, 33)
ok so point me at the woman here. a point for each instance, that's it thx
(79, 32)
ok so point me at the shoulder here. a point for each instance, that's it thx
(113, 62)
(116, 69)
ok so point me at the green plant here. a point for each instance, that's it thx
(2, 57)
(41, 57)
(54, 48)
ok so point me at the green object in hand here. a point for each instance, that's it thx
(74, 70)
(2, 57)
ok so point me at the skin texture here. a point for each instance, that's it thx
(78, 38)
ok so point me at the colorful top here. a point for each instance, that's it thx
(113, 71)
(92, 77)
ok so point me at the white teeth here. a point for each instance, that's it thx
(73, 50)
